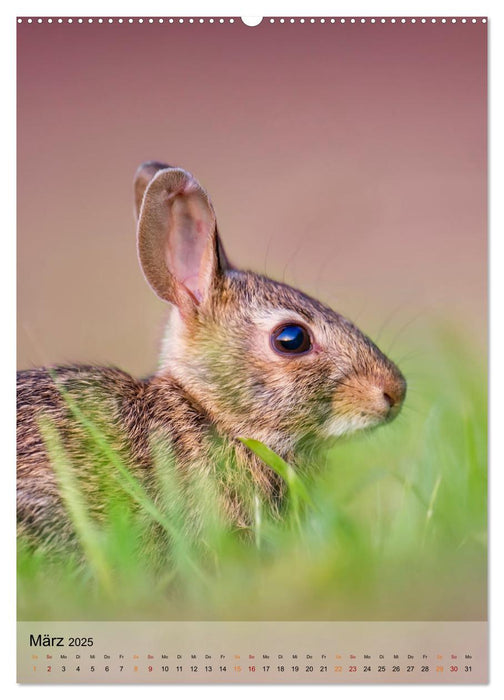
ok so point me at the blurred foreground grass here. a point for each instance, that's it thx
(392, 527)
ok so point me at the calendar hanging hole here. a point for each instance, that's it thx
(251, 21)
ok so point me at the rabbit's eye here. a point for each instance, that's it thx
(291, 339)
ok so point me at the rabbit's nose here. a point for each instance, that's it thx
(394, 391)
(389, 399)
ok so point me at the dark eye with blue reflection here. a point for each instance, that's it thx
(291, 339)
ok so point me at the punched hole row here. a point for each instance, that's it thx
(272, 20)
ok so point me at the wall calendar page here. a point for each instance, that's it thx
(252, 350)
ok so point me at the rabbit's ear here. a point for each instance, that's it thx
(143, 176)
(178, 245)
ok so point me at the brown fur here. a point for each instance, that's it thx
(219, 377)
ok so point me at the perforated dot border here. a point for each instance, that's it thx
(216, 21)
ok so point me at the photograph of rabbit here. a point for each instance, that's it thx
(282, 417)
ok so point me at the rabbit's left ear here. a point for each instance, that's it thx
(178, 244)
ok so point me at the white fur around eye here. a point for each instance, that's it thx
(269, 319)
(265, 322)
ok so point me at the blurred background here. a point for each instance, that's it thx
(348, 160)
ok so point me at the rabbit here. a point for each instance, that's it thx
(242, 356)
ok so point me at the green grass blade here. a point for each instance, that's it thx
(281, 467)
(75, 504)
(131, 485)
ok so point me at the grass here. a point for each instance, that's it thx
(391, 526)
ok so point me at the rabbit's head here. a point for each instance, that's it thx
(262, 359)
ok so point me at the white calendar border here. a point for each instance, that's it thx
(256, 8)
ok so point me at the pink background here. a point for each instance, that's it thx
(349, 160)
